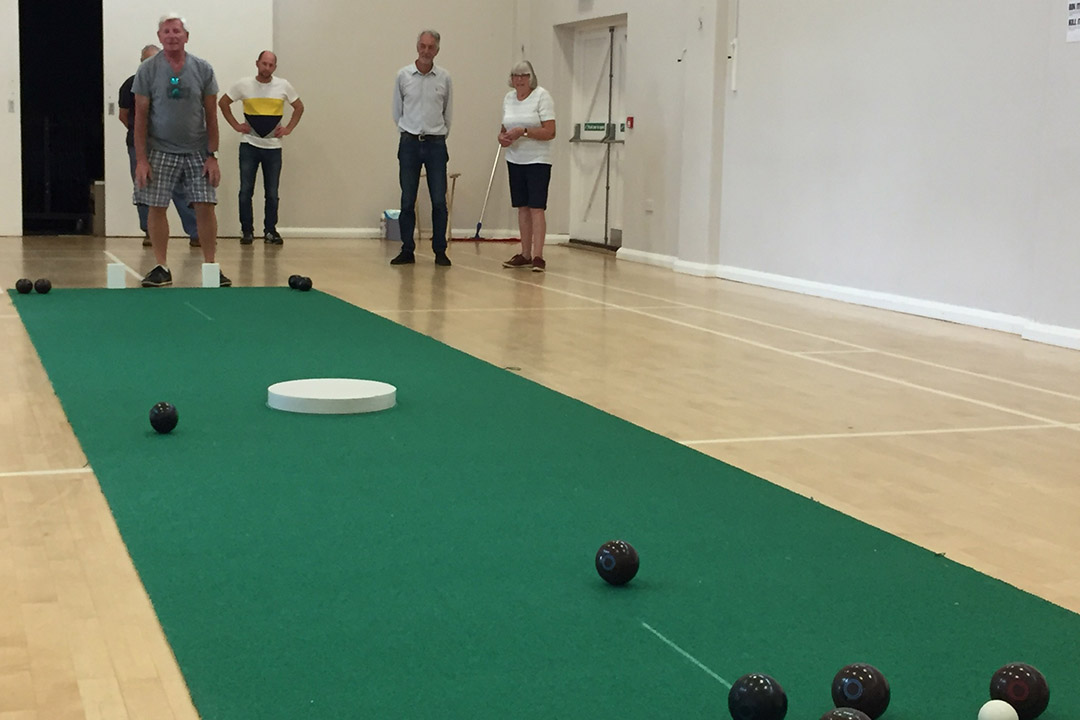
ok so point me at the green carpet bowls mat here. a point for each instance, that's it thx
(436, 560)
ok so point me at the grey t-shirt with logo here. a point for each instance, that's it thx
(177, 118)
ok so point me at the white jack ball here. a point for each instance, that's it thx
(998, 710)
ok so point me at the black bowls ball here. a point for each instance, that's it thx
(1023, 687)
(757, 697)
(617, 562)
(300, 282)
(845, 714)
(163, 417)
(862, 687)
(24, 285)
(43, 285)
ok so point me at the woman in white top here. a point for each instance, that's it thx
(528, 127)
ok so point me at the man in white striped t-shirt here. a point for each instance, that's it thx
(264, 97)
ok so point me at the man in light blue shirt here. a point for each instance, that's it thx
(423, 102)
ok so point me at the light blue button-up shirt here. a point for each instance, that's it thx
(423, 103)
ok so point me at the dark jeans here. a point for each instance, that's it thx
(250, 159)
(185, 211)
(432, 155)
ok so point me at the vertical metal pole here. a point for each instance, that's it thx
(607, 131)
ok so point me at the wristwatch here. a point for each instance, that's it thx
(212, 155)
(526, 133)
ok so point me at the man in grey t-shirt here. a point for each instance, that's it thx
(176, 138)
(127, 117)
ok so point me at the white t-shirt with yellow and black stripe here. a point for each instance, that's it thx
(264, 106)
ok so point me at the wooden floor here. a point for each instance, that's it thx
(964, 441)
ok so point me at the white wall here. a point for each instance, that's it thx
(918, 150)
(887, 146)
(918, 155)
(1055, 262)
(228, 35)
(10, 121)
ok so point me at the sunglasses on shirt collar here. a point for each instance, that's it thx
(174, 88)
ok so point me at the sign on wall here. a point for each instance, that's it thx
(1073, 32)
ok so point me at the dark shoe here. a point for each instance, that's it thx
(272, 238)
(194, 242)
(404, 258)
(146, 241)
(247, 238)
(442, 260)
(158, 277)
(518, 261)
(224, 281)
(538, 264)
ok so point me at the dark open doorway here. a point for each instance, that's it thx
(63, 144)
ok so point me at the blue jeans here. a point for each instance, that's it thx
(432, 155)
(250, 159)
(185, 211)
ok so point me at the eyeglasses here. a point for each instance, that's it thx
(174, 88)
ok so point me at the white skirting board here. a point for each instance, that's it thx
(1027, 329)
(347, 233)
(376, 233)
(646, 258)
(1052, 335)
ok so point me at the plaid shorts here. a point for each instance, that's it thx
(168, 172)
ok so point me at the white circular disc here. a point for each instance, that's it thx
(331, 396)
(997, 710)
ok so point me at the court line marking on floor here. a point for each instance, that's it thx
(686, 655)
(386, 311)
(39, 473)
(199, 311)
(127, 267)
(792, 353)
(856, 346)
(834, 352)
(882, 434)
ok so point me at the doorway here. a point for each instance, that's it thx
(61, 87)
(598, 122)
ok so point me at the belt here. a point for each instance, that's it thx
(423, 137)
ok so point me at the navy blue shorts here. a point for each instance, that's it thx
(529, 184)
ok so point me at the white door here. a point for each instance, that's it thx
(596, 187)
(10, 121)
